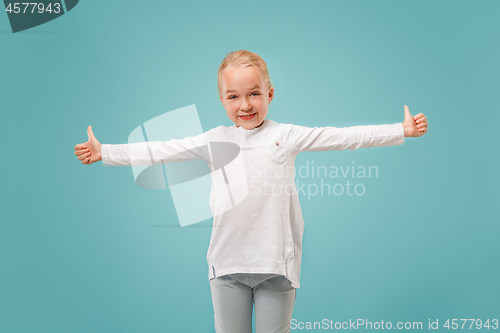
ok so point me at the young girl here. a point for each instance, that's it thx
(255, 250)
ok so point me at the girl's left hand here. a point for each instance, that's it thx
(414, 126)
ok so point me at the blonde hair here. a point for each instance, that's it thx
(244, 58)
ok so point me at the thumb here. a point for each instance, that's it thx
(408, 116)
(90, 133)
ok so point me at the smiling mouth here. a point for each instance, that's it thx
(247, 117)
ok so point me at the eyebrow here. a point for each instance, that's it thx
(255, 87)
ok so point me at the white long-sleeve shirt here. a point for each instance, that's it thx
(259, 228)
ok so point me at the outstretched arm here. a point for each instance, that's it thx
(333, 138)
(142, 153)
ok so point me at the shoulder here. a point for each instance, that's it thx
(284, 129)
(279, 126)
(219, 132)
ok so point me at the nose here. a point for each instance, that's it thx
(245, 104)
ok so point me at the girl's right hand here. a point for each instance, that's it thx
(90, 151)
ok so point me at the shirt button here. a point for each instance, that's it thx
(277, 143)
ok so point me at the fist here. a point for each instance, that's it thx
(90, 151)
(414, 126)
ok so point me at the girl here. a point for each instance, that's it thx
(255, 250)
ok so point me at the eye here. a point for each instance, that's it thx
(255, 93)
(230, 97)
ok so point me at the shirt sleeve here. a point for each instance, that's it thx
(149, 153)
(333, 138)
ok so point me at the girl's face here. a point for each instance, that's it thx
(245, 96)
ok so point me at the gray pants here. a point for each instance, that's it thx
(233, 296)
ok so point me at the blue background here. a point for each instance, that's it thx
(84, 249)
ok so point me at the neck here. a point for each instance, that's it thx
(262, 123)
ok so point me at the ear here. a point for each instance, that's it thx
(271, 94)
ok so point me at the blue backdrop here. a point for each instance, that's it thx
(84, 249)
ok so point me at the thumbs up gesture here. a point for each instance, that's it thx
(414, 126)
(90, 151)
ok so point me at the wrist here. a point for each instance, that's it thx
(100, 153)
(405, 130)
